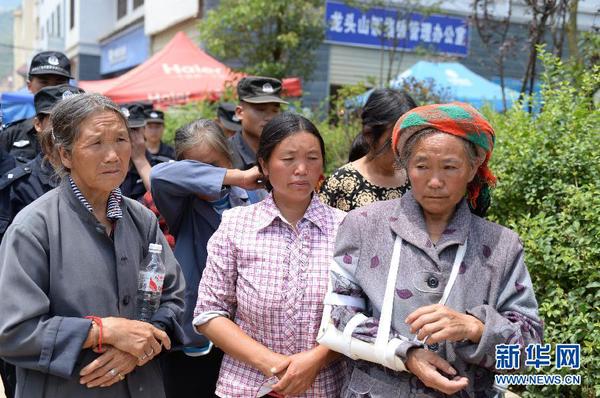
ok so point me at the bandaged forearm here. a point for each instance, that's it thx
(347, 330)
(362, 345)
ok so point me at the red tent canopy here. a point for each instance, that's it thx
(179, 73)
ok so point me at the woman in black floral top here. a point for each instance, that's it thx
(373, 177)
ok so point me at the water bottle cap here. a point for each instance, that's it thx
(155, 248)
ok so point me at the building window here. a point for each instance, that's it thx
(72, 14)
(121, 8)
(137, 3)
(48, 32)
(58, 29)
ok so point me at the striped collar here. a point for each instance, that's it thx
(113, 207)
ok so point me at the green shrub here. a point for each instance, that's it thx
(179, 115)
(548, 168)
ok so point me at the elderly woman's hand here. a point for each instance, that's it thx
(108, 369)
(426, 365)
(438, 323)
(141, 339)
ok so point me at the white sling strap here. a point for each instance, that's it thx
(460, 255)
(385, 320)
(384, 349)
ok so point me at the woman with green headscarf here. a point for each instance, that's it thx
(423, 289)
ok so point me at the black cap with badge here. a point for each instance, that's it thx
(259, 90)
(45, 99)
(50, 63)
(134, 114)
(154, 116)
(227, 116)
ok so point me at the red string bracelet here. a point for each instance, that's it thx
(98, 321)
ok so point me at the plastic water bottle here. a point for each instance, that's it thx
(150, 284)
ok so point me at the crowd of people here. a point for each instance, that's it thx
(382, 280)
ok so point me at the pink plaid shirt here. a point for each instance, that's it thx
(273, 279)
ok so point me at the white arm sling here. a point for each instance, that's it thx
(383, 351)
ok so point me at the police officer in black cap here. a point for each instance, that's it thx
(48, 68)
(155, 128)
(260, 100)
(32, 180)
(227, 119)
(137, 180)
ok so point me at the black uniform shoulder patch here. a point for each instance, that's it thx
(13, 175)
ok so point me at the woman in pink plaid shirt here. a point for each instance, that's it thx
(260, 298)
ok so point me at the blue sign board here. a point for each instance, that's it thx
(125, 51)
(394, 28)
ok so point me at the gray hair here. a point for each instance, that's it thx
(67, 117)
(201, 132)
(470, 148)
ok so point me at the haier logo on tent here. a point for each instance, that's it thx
(194, 69)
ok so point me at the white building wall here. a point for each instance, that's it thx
(24, 39)
(50, 24)
(586, 16)
(160, 15)
(93, 20)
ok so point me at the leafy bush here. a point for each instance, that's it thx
(548, 169)
(179, 115)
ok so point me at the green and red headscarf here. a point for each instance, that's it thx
(461, 120)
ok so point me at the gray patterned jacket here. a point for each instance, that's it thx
(493, 285)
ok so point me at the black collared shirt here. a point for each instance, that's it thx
(37, 178)
(133, 186)
(20, 140)
(7, 163)
(244, 157)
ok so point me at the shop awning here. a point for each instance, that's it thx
(179, 73)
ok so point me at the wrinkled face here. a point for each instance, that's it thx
(439, 171)
(100, 156)
(254, 117)
(295, 166)
(38, 82)
(154, 132)
(206, 154)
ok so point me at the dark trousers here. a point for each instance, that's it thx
(9, 378)
(191, 377)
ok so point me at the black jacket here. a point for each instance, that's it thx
(20, 140)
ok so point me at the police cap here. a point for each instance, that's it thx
(50, 63)
(259, 90)
(154, 116)
(227, 116)
(45, 99)
(134, 113)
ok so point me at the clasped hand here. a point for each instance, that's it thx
(129, 343)
(433, 324)
(296, 372)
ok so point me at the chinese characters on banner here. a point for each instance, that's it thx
(394, 28)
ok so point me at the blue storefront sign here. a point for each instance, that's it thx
(125, 51)
(394, 28)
